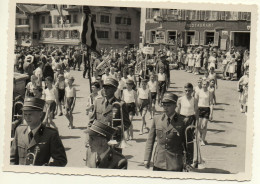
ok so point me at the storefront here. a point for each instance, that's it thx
(222, 34)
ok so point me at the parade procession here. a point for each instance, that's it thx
(99, 87)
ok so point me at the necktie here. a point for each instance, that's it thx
(169, 121)
(98, 160)
(30, 135)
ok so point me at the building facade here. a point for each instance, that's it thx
(61, 25)
(195, 27)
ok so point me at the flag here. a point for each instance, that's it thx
(88, 34)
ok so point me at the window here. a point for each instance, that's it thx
(171, 37)
(94, 17)
(64, 6)
(19, 21)
(190, 37)
(152, 38)
(68, 19)
(209, 37)
(50, 20)
(43, 19)
(128, 35)
(35, 35)
(155, 12)
(123, 8)
(54, 6)
(104, 19)
(128, 21)
(116, 35)
(118, 20)
(102, 34)
(75, 18)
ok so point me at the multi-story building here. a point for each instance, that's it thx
(195, 27)
(61, 25)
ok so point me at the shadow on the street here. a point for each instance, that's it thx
(174, 91)
(79, 97)
(140, 140)
(222, 145)
(211, 170)
(77, 90)
(80, 128)
(76, 85)
(215, 130)
(128, 156)
(76, 112)
(67, 149)
(69, 137)
(174, 87)
(215, 121)
(218, 109)
(222, 104)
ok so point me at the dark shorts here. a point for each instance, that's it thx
(51, 104)
(69, 103)
(204, 112)
(143, 104)
(153, 96)
(161, 87)
(130, 107)
(61, 93)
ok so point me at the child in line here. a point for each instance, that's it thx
(60, 85)
(30, 86)
(51, 100)
(130, 97)
(224, 66)
(162, 83)
(93, 96)
(70, 100)
(212, 98)
(144, 102)
(153, 86)
(198, 87)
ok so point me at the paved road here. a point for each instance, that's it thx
(225, 152)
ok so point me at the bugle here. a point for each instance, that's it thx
(31, 157)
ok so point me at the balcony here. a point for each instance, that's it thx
(22, 26)
(60, 27)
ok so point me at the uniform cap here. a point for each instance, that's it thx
(101, 129)
(33, 104)
(111, 82)
(144, 80)
(169, 98)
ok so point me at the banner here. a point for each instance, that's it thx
(103, 65)
(148, 50)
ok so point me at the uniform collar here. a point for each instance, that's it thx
(34, 130)
(102, 155)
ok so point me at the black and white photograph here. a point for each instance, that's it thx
(131, 90)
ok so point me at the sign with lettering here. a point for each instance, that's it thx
(148, 50)
(200, 25)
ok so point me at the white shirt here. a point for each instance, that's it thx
(152, 86)
(161, 77)
(129, 96)
(143, 94)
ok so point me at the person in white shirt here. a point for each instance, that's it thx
(153, 86)
(106, 75)
(144, 102)
(38, 74)
(205, 110)
(130, 97)
(162, 83)
(51, 99)
(70, 100)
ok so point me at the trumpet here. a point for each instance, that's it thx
(123, 142)
(31, 157)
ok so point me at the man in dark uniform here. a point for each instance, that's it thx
(35, 144)
(169, 130)
(104, 111)
(86, 65)
(100, 154)
(163, 63)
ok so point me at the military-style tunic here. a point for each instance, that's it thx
(169, 152)
(103, 112)
(111, 160)
(46, 139)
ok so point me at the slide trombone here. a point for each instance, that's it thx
(123, 143)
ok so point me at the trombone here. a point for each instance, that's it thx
(123, 142)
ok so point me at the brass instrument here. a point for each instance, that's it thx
(123, 142)
(31, 157)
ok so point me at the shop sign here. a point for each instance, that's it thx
(200, 25)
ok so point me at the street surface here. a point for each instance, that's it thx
(225, 152)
